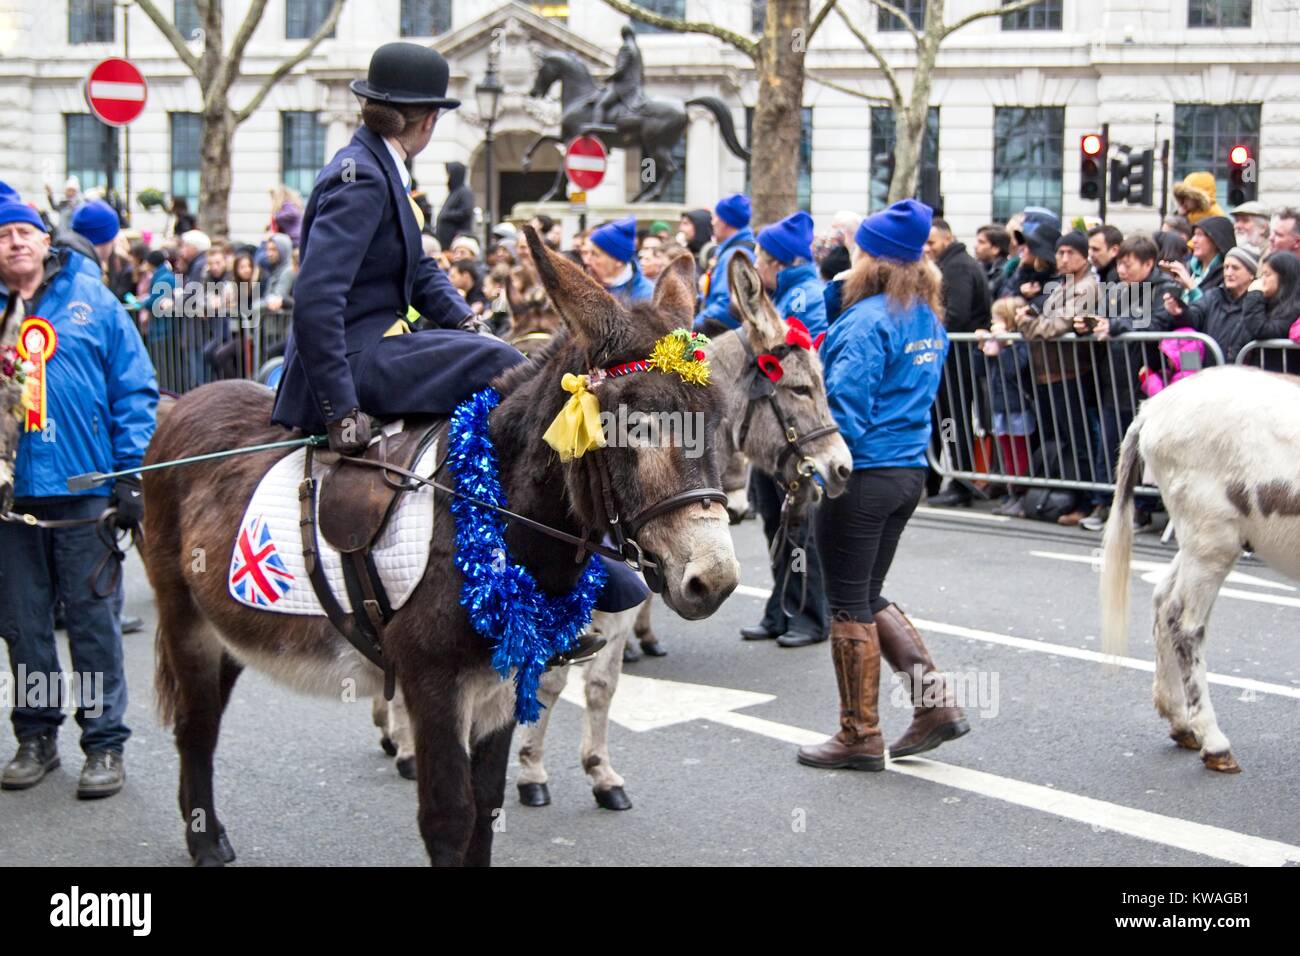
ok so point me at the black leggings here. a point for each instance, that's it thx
(857, 535)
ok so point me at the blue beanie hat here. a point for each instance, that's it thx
(617, 238)
(734, 210)
(789, 239)
(97, 221)
(13, 209)
(898, 232)
(8, 193)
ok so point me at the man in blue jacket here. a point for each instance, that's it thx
(90, 405)
(613, 262)
(732, 233)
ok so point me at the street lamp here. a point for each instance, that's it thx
(488, 93)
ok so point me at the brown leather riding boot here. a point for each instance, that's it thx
(936, 717)
(855, 650)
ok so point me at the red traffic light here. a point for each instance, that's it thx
(1092, 144)
(1239, 155)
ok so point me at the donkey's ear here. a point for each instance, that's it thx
(674, 298)
(751, 304)
(591, 313)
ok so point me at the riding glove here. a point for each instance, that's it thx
(350, 434)
(129, 501)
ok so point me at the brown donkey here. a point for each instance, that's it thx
(460, 710)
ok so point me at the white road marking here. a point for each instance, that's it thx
(1064, 650)
(1155, 570)
(955, 513)
(644, 703)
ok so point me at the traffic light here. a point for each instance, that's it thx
(1243, 184)
(1131, 177)
(1092, 173)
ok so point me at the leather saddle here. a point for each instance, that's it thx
(349, 508)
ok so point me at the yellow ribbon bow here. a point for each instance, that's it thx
(576, 430)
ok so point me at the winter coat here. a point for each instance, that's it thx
(965, 290)
(637, 288)
(288, 221)
(800, 294)
(717, 300)
(457, 213)
(1064, 301)
(1136, 307)
(1221, 317)
(1200, 190)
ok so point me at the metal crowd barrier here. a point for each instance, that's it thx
(1276, 355)
(1052, 412)
(192, 350)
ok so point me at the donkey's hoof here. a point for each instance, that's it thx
(615, 798)
(406, 768)
(1223, 763)
(208, 858)
(630, 654)
(224, 849)
(534, 795)
(652, 649)
(390, 748)
(1185, 739)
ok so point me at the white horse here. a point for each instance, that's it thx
(1223, 446)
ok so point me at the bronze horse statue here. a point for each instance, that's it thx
(656, 126)
(461, 711)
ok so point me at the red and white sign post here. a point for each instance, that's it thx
(585, 160)
(116, 93)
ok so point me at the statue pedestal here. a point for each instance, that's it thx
(578, 216)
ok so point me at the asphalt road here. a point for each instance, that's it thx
(1067, 763)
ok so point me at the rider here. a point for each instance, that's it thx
(351, 353)
(624, 86)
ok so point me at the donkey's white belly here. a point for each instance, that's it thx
(341, 673)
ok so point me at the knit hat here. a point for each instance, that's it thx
(789, 239)
(1075, 240)
(1245, 256)
(659, 226)
(97, 221)
(734, 210)
(1220, 231)
(898, 232)
(13, 209)
(617, 239)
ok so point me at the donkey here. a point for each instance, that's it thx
(749, 427)
(1222, 446)
(461, 711)
(11, 397)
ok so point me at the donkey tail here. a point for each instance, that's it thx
(725, 125)
(166, 688)
(1117, 546)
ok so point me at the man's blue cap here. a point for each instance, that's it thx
(617, 239)
(734, 210)
(789, 239)
(97, 221)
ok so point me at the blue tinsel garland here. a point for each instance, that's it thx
(506, 605)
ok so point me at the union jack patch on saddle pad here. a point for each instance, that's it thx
(258, 575)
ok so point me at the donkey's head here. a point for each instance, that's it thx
(785, 427)
(657, 427)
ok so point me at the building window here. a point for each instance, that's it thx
(425, 18)
(667, 8)
(90, 21)
(1045, 15)
(552, 9)
(1028, 158)
(187, 138)
(89, 147)
(1204, 135)
(758, 16)
(1218, 13)
(915, 10)
(185, 16)
(882, 155)
(302, 149)
(803, 189)
(302, 18)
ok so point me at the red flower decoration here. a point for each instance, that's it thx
(770, 366)
(699, 355)
(817, 342)
(797, 334)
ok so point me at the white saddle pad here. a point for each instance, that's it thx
(267, 569)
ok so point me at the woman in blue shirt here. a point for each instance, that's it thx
(883, 358)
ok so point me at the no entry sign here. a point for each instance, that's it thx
(584, 162)
(116, 91)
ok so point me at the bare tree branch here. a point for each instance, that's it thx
(982, 14)
(325, 30)
(817, 77)
(818, 20)
(898, 12)
(890, 76)
(235, 56)
(173, 35)
(742, 43)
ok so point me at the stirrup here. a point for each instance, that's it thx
(588, 646)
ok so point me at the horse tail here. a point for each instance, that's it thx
(723, 116)
(1117, 546)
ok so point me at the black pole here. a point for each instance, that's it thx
(1164, 180)
(1105, 169)
(126, 158)
(488, 213)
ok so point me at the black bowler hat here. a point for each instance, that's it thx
(406, 74)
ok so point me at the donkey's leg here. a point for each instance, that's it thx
(379, 717)
(1199, 576)
(1167, 685)
(488, 769)
(644, 630)
(446, 814)
(398, 729)
(532, 781)
(601, 682)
